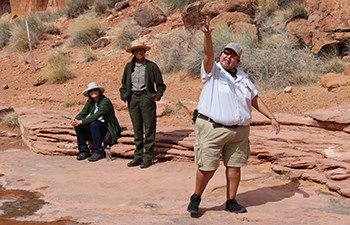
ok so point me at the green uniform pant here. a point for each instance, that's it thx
(142, 112)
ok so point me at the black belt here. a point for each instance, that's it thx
(215, 124)
(139, 93)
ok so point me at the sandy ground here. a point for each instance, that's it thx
(104, 193)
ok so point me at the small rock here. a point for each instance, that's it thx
(5, 86)
(39, 81)
(288, 89)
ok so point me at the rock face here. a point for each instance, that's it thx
(5, 7)
(149, 15)
(302, 150)
(23, 7)
(328, 22)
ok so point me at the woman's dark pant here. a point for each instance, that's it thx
(95, 132)
(143, 116)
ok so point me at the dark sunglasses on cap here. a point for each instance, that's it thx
(231, 53)
(95, 89)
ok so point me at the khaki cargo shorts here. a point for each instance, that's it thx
(212, 143)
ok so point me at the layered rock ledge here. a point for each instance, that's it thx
(313, 147)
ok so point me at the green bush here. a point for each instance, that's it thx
(57, 69)
(11, 120)
(85, 30)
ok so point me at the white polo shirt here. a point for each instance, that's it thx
(224, 99)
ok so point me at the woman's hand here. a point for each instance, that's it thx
(76, 122)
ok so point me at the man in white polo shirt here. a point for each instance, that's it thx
(222, 124)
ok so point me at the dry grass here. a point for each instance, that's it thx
(19, 38)
(278, 62)
(265, 8)
(5, 32)
(70, 103)
(168, 6)
(77, 7)
(101, 6)
(85, 30)
(57, 69)
(37, 29)
(124, 33)
(172, 47)
(10, 120)
(193, 57)
(88, 55)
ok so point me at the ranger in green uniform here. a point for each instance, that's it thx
(142, 86)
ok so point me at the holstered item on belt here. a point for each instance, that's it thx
(194, 115)
(215, 124)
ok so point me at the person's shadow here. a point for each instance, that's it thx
(261, 196)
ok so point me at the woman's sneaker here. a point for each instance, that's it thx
(233, 206)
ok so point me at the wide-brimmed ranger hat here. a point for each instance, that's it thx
(137, 44)
(91, 86)
(235, 47)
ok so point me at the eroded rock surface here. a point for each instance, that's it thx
(314, 147)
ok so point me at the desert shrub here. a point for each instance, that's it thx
(36, 25)
(85, 30)
(294, 11)
(265, 8)
(76, 7)
(169, 6)
(246, 39)
(52, 28)
(10, 120)
(87, 55)
(47, 16)
(278, 61)
(194, 56)
(100, 6)
(331, 58)
(70, 103)
(111, 3)
(57, 68)
(125, 33)
(37, 29)
(171, 47)
(19, 39)
(5, 32)
(332, 64)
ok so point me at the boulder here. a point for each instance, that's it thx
(149, 15)
(328, 23)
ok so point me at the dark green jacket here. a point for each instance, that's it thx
(106, 110)
(153, 78)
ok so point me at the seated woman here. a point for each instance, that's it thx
(95, 121)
